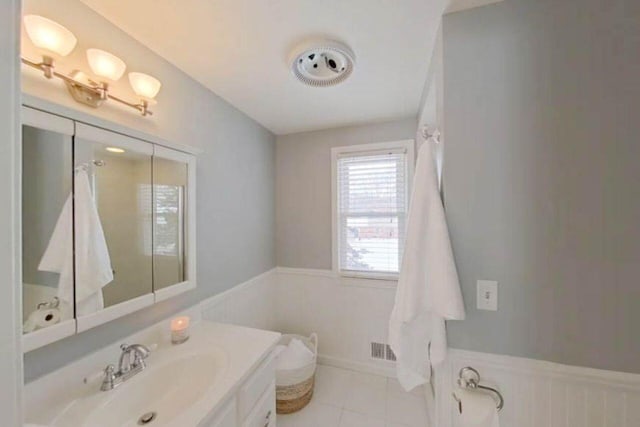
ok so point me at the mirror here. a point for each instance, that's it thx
(108, 226)
(169, 221)
(47, 260)
(114, 243)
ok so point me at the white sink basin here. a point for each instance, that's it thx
(168, 388)
(183, 385)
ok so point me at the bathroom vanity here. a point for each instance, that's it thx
(108, 228)
(223, 376)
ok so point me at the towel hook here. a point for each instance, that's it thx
(434, 134)
(469, 378)
(85, 166)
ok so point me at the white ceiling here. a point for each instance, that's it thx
(240, 48)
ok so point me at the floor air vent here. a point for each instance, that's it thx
(382, 351)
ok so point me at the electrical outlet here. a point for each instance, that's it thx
(487, 297)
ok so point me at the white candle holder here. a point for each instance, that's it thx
(179, 330)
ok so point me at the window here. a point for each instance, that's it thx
(166, 233)
(168, 219)
(371, 195)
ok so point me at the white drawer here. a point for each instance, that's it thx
(264, 413)
(255, 386)
(225, 417)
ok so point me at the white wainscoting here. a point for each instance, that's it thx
(346, 314)
(250, 304)
(544, 394)
(347, 317)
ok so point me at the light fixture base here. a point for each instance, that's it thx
(47, 66)
(84, 95)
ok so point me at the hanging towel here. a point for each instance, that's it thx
(58, 257)
(428, 290)
(93, 265)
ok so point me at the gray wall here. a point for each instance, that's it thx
(303, 183)
(236, 174)
(542, 177)
(10, 312)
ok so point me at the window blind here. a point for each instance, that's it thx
(160, 207)
(168, 221)
(372, 206)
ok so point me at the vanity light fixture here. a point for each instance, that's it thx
(53, 38)
(50, 37)
(105, 64)
(144, 85)
(115, 150)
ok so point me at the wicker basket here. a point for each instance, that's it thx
(294, 387)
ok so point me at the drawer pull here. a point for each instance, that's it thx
(268, 418)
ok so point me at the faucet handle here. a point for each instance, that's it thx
(109, 378)
(140, 350)
(110, 371)
(124, 347)
(140, 353)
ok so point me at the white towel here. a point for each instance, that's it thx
(428, 290)
(93, 265)
(293, 356)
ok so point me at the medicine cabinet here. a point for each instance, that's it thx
(108, 225)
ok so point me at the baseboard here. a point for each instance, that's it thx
(367, 368)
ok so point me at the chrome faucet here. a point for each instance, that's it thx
(132, 362)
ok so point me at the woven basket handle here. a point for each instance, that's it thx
(314, 339)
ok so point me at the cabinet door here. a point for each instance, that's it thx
(264, 413)
(116, 280)
(174, 265)
(226, 417)
(47, 263)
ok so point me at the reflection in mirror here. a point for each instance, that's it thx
(118, 265)
(169, 213)
(47, 260)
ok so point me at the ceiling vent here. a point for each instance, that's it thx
(321, 64)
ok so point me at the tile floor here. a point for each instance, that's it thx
(345, 398)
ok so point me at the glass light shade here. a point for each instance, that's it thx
(49, 35)
(144, 85)
(105, 64)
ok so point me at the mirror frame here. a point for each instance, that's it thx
(190, 235)
(77, 124)
(49, 122)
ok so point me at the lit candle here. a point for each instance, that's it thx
(179, 330)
